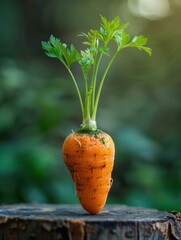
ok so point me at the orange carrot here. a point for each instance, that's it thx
(89, 152)
(90, 159)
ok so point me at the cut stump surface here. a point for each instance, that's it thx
(71, 222)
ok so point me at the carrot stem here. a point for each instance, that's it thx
(101, 85)
(94, 80)
(78, 91)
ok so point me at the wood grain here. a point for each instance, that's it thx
(71, 222)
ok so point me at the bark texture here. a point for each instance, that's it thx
(70, 222)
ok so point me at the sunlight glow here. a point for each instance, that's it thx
(178, 2)
(150, 9)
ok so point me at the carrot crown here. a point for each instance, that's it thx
(98, 48)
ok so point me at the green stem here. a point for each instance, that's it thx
(87, 105)
(95, 72)
(93, 85)
(77, 89)
(88, 124)
(101, 84)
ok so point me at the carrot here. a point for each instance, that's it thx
(89, 153)
(90, 159)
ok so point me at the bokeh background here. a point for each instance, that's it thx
(140, 106)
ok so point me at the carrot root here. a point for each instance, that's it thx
(90, 159)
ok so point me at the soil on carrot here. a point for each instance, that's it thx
(88, 131)
(93, 133)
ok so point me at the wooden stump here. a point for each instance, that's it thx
(70, 222)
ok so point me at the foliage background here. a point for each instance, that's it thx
(140, 105)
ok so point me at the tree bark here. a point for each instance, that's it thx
(71, 222)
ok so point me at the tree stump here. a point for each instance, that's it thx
(71, 222)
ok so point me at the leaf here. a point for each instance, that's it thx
(48, 49)
(55, 49)
(50, 54)
(54, 41)
(107, 32)
(121, 38)
(111, 29)
(86, 60)
(139, 40)
(146, 49)
(91, 38)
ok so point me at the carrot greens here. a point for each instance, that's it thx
(98, 44)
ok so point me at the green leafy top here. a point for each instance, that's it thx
(54, 48)
(97, 42)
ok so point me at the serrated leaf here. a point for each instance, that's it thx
(86, 60)
(54, 41)
(54, 48)
(87, 43)
(105, 34)
(121, 38)
(139, 40)
(50, 55)
(147, 50)
(102, 31)
(125, 38)
(124, 26)
(91, 38)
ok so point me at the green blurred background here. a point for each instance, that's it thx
(140, 105)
